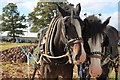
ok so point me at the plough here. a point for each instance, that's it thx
(28, 56)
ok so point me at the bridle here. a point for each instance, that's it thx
(69, 42)
(96, 55)
(72, 41)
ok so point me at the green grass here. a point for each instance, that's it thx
(112, 74)
(11, 45)
(5, 46)
(119, 49)
(15, 70)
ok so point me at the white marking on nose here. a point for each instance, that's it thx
(95, 66)
(77, 26)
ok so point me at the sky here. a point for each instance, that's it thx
(105, 7)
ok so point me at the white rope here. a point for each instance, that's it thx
(53, 57)
(51, 39)
(56, 57)
(108, 59)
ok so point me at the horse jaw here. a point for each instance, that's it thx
(95, 69)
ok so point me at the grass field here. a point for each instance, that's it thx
(4, 46)
(119, 49)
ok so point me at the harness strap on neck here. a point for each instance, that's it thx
(52, 34)
(46, 44)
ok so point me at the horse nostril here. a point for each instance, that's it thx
(98, 75)
(77, 57)
(91, 71)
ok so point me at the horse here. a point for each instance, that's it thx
(63, 45)
(100, 44)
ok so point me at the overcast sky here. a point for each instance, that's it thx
(105, 7)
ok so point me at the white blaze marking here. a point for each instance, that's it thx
(77, 26)
(95, 46)
(95, 66)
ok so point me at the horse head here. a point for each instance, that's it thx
(71, 33)
(93, 41)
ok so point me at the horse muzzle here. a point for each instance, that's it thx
(79, 52)
(95, 69)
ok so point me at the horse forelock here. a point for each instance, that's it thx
(93, 18)
(94, 27)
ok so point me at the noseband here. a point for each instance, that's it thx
(96, 55)
(75, 40)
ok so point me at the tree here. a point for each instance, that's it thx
(12, 21)
(43, 14)
(34, 29)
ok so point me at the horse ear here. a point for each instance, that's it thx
(86, 22)
(105, 23)
(62, 11)
(78, 9)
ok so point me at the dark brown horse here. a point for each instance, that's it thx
(100, 43)
(64, 45)
(110, 50)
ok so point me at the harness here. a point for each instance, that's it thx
(45, 57)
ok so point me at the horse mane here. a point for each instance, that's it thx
(93, 27)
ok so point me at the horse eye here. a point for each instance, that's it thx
(67, 8)
(91, 20)
(99, 21)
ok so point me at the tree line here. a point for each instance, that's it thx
(13, 21)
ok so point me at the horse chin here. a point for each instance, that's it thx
(78, 62)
